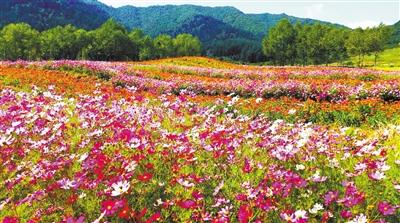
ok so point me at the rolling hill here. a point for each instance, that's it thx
(396, 34)
(44, 14)
(154, 20)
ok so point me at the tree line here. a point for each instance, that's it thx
(288, 44)
(110, 42)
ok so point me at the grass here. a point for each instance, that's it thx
(387, 60)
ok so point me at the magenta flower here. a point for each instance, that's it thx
(346, 214)
(386, 209)
(10, 219)
(187, 204)
(244, 214)
(72, 220)
(331, 197)
(247, 168)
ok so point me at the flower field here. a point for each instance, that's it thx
(197, 140)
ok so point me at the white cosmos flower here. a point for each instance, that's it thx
(131, 166)
(317, 207)
(292, 111)
(120, 188)
(378, 175)
(300, 214)
(300, 167)
(359, 219)
(185, 183)
(259, 100)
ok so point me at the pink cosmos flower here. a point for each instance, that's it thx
(386, 209)
(72, 220)
(330, 197)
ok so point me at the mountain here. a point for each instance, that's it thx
(154, 20)
(44, 14)
(396, 34)
(163, 19)
(208, 29)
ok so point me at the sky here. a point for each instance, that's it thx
(352, 13)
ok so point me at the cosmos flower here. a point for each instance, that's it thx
(359, 219)
(145, 177)
(386, 209)
(245, 214)
(330, 197)
(119, 188)
(316, 208)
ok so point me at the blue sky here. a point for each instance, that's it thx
(352, 13)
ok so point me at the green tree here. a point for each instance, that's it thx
(164, 46)
(334, 42)
(19, 41)
(279, 44)
(376, 39)
(302, 43)
(137, 36)
(187, 45)
(63, 42)
(356, 45)
(110, 42)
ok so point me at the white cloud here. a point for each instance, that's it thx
(315, 10)
(363, 24)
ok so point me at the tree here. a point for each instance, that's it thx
(19, 41)
(334, 42)
(302, 43)
(356, 45)
(63, 42)
(376, 39)
(279, 44)
(164, 46)
(137, 38)
(110, 42)
(187, 45)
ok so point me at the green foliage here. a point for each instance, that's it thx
(63, 42)
(322, 44)
(278, 45)
(45, 14)
(110, 42)
(366, 42)
(213, 26)
(187, 45)
(19, 41)
(164, 46)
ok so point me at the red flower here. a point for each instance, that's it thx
(124, 213)
(154, 217)
(145, 177)
(385, 208)
(245, 214)
(109, 206)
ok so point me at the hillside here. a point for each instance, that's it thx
(396, 35)
(154, 20)
(388, 59)
(44, 14)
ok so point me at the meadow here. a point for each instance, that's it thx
(194, 139)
